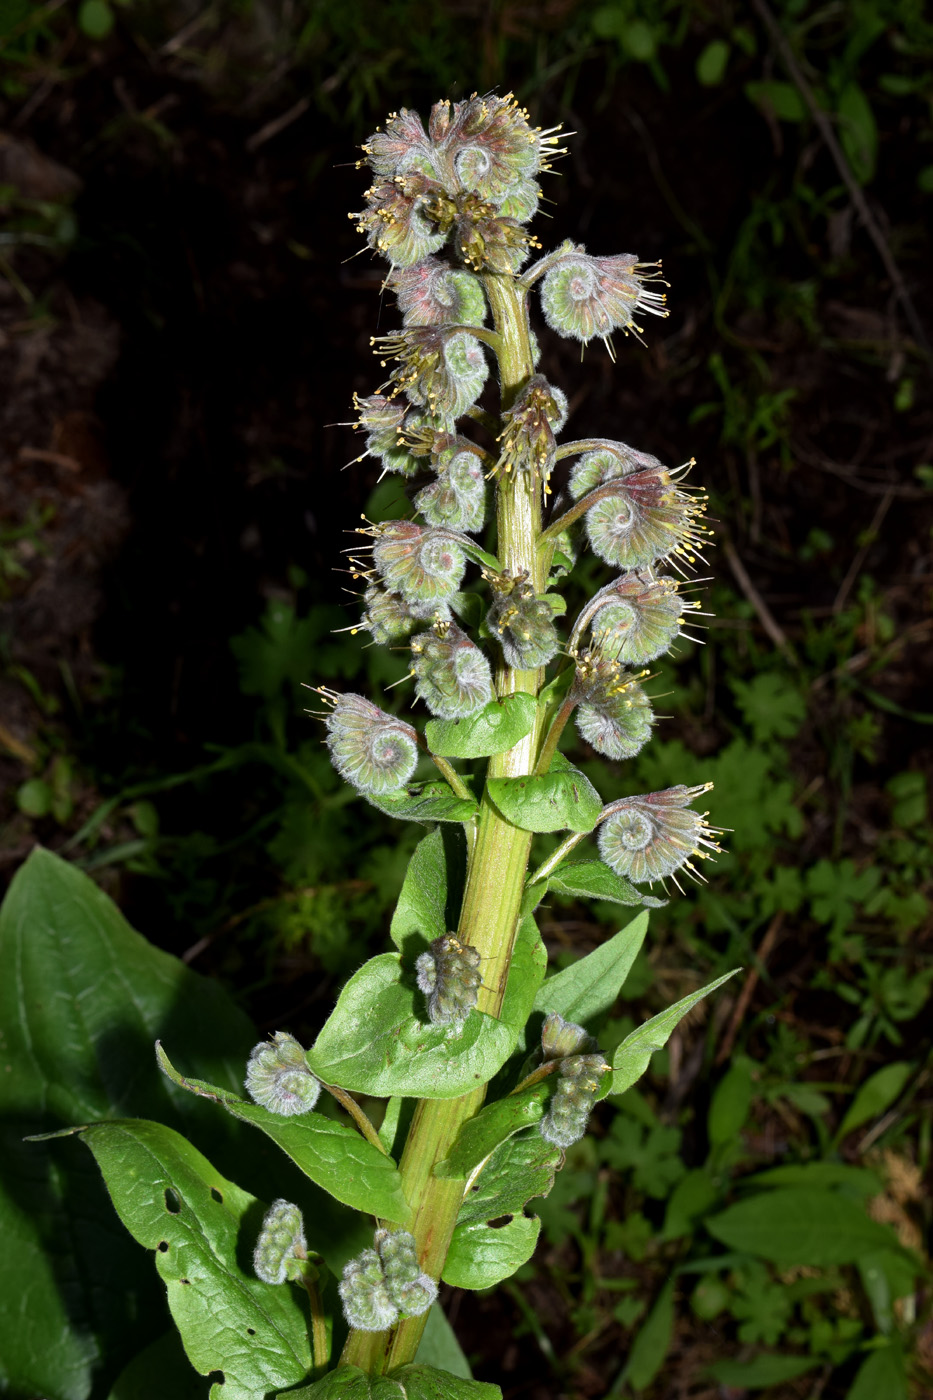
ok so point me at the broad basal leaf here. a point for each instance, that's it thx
(563, 799)
(482, 1255)
(494, 729)
(332, 1154)
(201, 1226)
(587, 988)
(632, 1057)
(806, 1227)
(378, 1039)
(425, 802)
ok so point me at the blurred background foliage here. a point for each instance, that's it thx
(183, 319)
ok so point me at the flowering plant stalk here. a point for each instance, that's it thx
(486, 1066)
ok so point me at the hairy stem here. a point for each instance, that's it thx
(495, 875)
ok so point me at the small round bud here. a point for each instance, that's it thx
(401, 145)
(367, 1303)
(560, 1038)
(570, 1108)
(636, 619)
(390, 619)
(433, 294)
(457, 499)
(527, 437)
(646, 518)
(605, 463)
(648, 838)
(278, 1077)
(523, 623)
(425, 566)
(454, 678)
(281, 1249)
(374, 751)
(487, 241)
(448, 975)
(583, 296)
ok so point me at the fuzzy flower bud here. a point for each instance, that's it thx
(583, 296)
(523, 623)
(412, 1290)
(646, 517)
(566, 1119)
(614, 715)
(398, 219)
(442, 371)
(433, 294)
(402, 146)
(457, 499)
(278, 1077)
(448, 975)
(453, 676)
(367, 1303)
(610, 460)
(560, 1038)
(648, 838)
(490, 146)
(488, 241)
(636, 618)
(394, 434)
(373, 751)
(537, 413)
(425, 566)
(390, 619)
(281, 1249)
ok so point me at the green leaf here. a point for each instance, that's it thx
(375, 1041)
(439, 1347)
(711, 64)
(495, 729)
(425, 802)
(422, 904)
(731, 1103)
(858, 132)
(591, 879)
(88, 998)
(887, 1274)
(172, 1200)
(520, 1169)
(160, 1370)
(805, 1227)
(414, 1382)
(770, 1368)
(482, 1134)
(690, 1199)
(875, 1096)
(333, 1155)
(632, 1057)
(95, 19)
(782, 98)
(560, 800)
(884, 1373)
(482, 1255)
(854, 1181)
(650, 1347)
(587, 988)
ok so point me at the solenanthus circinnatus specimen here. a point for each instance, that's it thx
(488, 1066)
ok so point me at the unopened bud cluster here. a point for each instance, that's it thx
(448, 975)
(278, 1077)
(385, 1283)
(281, 1251)
(580, 1072)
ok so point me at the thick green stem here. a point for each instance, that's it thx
(495, 875)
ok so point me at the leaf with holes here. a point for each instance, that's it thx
(377, 1042)
(497, 727)
(332, 1154)
(172, 1200)
(482, 1255)
(520, 1169)
(633, 1056)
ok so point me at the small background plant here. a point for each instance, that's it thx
(171, 764)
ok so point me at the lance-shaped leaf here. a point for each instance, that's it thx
(591, 879)
(172, 1200)
(333, 1155)
(427, 905)
(520, 1169)
(587, 988)
(413, 1382)
(632, 1057)
(483, 1255)
(425, 802)
(810, 1227)
(494, 729)
(563, 799)
(482, 1134)
(378, 1041)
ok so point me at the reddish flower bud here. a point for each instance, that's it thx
(647, 517)
(425, 566)
(636, 618)
(583, 296)
(610, 460)
(444, 371)
(402, 146)
(538, 411)
(398, 220)
(648, 838)
(433, 294)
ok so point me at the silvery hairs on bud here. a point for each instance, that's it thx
(278, 1077)
(281, 1248)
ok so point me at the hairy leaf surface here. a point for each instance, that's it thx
(482, 1255)
(587, 988)
(494, 729)
(563, 799)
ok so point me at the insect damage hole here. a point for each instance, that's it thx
(172, 1202)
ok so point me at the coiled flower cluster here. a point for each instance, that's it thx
(652, 837)
(580, 1072)
(453, 677)
(278, 1077)
(386, 1282)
